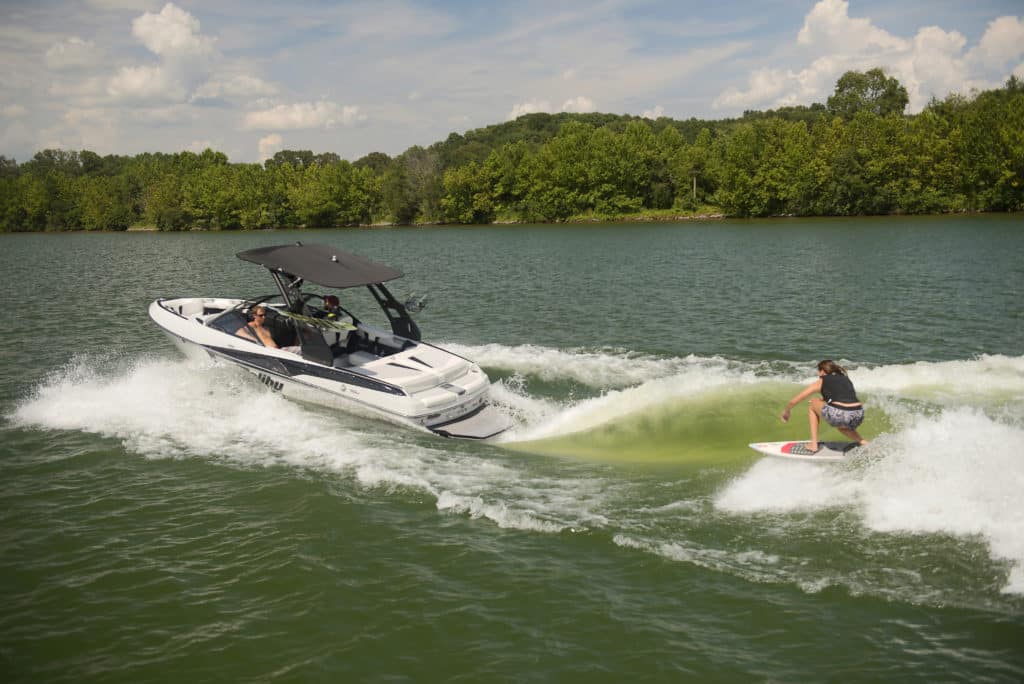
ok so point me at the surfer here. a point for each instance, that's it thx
(838, 404)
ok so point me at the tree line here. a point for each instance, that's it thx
(857, 154)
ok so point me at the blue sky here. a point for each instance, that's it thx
(249, 78)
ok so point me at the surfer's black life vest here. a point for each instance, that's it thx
(837, 387)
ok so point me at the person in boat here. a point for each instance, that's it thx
(838, 404)
(332, 312)
(332, 307)
(256, 330)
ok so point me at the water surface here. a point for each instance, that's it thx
(165, 521)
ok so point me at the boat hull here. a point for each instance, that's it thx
(425, 387)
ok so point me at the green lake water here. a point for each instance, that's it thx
(167, 521)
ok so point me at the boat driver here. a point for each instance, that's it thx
(257, 329)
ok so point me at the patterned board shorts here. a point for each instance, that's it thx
(837, 417)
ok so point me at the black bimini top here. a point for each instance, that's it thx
(321, 264)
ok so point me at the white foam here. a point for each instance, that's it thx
(602, 369)
(952, 465)
(753, 564)
(498, 512)
(164, 409)
(959, 472)
(988, 377)
(653, 382)
(510, 396)
(176, 409)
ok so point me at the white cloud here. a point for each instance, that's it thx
(303, 115)
(72, 53)
(829, 25)
(578, 104)
(935, 66)
(430, 69)
(172, 33)
(240, 85)
(79, 89)
(14, 111)
(1002, 43)
(269, 145)
(148, 116)
(932, 63)
(763, 85)
(531, 107)
(144, 83)
(655, 113)
(92, 128)
(17, 138)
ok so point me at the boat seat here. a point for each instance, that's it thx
(360, 358)
(191, 308)
(388, 340)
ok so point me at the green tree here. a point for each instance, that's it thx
(507, 183)
(993, 149)
(559, 178)
(103, 203)
(929, 177)
(35, 201)
(664, 183)
(309, 195)
(211, 197)
(256, 198)
(692, 170)
(467, 195)
(870, 91)
(377, 162)
(165, 204)
(297, 158)
(12, 210)
(412, 187)
(8, 167)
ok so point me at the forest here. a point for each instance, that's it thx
(856, 154)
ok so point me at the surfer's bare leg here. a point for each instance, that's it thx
(814, 417)
(853, 434)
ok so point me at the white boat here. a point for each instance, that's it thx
(336, 360)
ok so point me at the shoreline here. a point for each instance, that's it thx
(579, 220)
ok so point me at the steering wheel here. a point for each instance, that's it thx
(310, 295)
(246, 306)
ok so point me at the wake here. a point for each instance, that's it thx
(948, 458)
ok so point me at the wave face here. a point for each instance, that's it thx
(646, 452)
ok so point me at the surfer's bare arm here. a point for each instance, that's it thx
(804, 393)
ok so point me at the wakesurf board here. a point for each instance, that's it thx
(798, 451)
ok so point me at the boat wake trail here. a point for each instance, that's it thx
(957, 472)
(913, 516)
(173, 409)
(161, 409)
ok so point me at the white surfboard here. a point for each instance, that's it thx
(829, 451)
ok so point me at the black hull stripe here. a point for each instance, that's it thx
(288, 369)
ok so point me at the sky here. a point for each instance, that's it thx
(252, 77)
